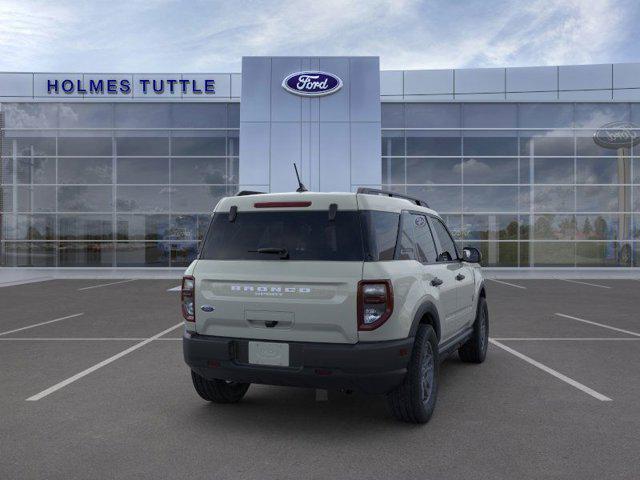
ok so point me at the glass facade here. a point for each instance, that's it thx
(115, 184)
(524, 182)
(112, 184)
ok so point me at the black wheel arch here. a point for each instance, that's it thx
(427, 314)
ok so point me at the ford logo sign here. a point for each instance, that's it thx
(312, 83)
(617, 135)
(207, 308)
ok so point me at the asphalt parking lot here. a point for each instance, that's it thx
(93, 385)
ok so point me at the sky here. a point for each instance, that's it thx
(212, 36)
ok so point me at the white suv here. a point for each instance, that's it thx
(361, 291)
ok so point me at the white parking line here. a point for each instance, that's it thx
(97, 339)
(599, 324)
(560, 339)
(551, 371)
(107, 284)
(97, 366)
(41, 323)
(175, 289)
(584, 283)
(507, 283)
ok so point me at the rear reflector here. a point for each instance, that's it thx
(281, 204)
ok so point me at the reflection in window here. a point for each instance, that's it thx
(140, 254)
(490, 199)
(490, 227)
(442, 199)
(35, 170)
(142, 227)
(89, 146)
(554, 199)
(603, 170)
(133, 170)
(199, 170)
(434, 170)
(85, 199)
(85, 170)
(603, 198)
(85, 227)
(427, 144)
(393, 170)
(140, 198)
(554, 227)
(553, 170)
(490, 170)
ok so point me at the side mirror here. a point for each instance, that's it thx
(471, 255)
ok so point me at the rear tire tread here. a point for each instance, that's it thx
(218, 391)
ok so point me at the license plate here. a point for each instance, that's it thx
(269, 353)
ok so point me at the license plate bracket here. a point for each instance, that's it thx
(269, 353)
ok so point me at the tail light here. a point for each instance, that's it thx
(375, 303)
(187, 298)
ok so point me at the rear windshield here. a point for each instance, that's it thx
(302, 235)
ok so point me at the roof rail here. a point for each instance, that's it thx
(242, 193)
(375, 191)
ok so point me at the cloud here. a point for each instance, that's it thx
(172, 36)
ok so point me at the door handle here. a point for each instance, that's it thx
(436, 282)
(460, 277)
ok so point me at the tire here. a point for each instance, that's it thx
(219, 391)
(474, 350)
(415, 400)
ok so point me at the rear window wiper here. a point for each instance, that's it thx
(284, 254)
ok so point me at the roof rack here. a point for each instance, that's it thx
(242, 193)
(375, 191)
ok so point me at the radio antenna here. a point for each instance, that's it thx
(301, 187)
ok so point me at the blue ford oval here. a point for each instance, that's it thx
(312, 83)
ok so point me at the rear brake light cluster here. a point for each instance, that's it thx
(375, 303)
(187, 298)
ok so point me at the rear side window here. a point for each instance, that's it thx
(447, 251)
(303, 235)
(416, 241)
(380, 230)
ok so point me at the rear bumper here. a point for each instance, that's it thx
(373, 367)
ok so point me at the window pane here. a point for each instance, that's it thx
(233, 143)
(29, 146)
(598, 114)
(434, 143)
(488, 115)
(142, 115)
(392, 115)
(85, 199)
(603, 170)
(203, 225)
(183, 253)
(545, 115)
(93, 146)
(585, 145)
(40, 254)
(603, 254)
(6, 199)
(434, 170)
(380, 230)
(142, 170)
(554, 227)
(490, 170)
(604, 227)
(142, 227)
(393, 170)
(406, 247)
(490, 199)
(138, 254)
(392, 143)
(491, 144)
(432, 115)
(213, 144)
(490, 227)
(196, 199)
(36, 199)
(30, 115)
(85, 170)
(553, 254)
(546, 144)
(143, 199)
(497, 254)
(80, 254)
(85, 227)
(36, 170)
(441, 199)
(36, 227)
(199, 115)
(454, 224)
(93, 115)
(183, 227)
(233, 114)
(142, 146)
(603, 199)
(553, 170)
(554, 199)
(199, 170)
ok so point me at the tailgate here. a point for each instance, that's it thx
(306, 301)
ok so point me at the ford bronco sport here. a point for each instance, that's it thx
(361, 291)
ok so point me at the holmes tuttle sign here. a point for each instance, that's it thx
(312, 83)
(617, 135)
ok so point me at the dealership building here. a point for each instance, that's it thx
(535, 166)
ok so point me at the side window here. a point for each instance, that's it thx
(380, 232)
(447, 251)
(406, 248)
(425, 246)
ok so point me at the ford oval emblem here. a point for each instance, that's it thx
(617, 135)
(207, 308)
(312, 83)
